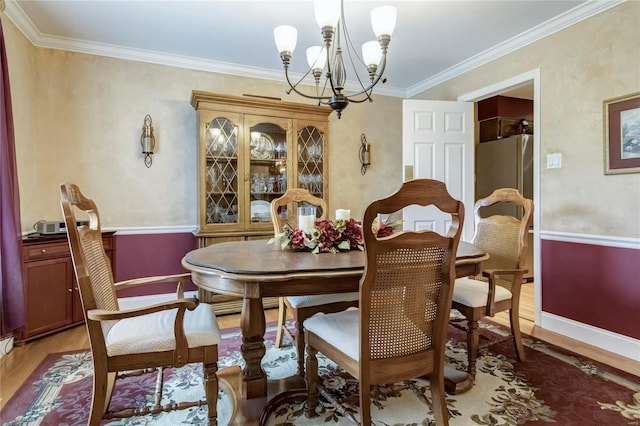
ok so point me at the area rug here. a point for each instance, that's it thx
(552, 386)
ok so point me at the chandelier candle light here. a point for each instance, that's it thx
(330, 18)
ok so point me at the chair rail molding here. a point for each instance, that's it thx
(600, 240)
(140, 230)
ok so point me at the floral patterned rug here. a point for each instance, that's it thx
(552, 386)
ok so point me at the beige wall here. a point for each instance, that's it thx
(78, 117)
(580, 67)
(21, 62)
(85, 121)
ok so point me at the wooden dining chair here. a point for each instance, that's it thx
(168, 334)
(400, 330)
(303, 307)
(504, 238)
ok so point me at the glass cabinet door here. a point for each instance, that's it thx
(268, 167)
(310, 160)
(221, 156)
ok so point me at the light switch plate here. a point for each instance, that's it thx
(554, 161)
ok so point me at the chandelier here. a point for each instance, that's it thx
(330, 18)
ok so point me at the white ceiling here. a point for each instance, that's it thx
(433, 41)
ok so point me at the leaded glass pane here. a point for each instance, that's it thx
(310, 164)
(222, 171)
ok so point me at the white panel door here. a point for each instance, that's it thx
(438, 143)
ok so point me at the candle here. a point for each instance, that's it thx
(306, 218)
(306, 223)
(343, 214)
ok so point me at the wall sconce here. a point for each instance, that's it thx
(365, 154)
(147, 141)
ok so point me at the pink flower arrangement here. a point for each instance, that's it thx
(383, 229)
(331, 236)
(326, 237)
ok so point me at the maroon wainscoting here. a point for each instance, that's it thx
(592, 284)
(145, 255)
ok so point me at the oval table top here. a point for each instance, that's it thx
(257, 258)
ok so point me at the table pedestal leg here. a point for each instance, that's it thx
(253, 327)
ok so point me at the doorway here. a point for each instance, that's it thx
(527, 84)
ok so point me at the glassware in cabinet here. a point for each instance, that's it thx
(268, 165)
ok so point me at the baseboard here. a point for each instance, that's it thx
(604, 339)
(6, 345)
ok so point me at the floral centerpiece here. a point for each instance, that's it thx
(384, 229)
(331, 237)
(325, 237)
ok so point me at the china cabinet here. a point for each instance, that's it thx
(250, 150)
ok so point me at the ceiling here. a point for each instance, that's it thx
(433, 41)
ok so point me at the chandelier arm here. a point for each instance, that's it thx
(324, 88)
(295, 89)
(328, 50)
(286, 73)
(373, 83)
(368, 90)
(352, 52)
(359, 101)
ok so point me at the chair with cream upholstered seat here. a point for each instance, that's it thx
(504, 238)
(400, 330)
(168, 334)
(303, 307)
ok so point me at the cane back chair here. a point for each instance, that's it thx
(504, 238)
(169, 334)
(400, 329)
(303, 307)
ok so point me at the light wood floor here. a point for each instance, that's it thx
(16, 366)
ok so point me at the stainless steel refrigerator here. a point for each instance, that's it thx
(505, 163)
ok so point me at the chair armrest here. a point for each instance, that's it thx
(147, 280)
(492, 272)
(491, 275)
(105, 315)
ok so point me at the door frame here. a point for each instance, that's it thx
(494, 89)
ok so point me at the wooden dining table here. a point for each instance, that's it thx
(255, 269)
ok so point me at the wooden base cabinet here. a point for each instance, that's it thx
(52, 299)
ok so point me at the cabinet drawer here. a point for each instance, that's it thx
(46, 251)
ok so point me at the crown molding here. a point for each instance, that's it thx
(560, 22)
(552, 26)
(22, 21)
(38, 39)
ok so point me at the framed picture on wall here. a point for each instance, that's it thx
(622, 134)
